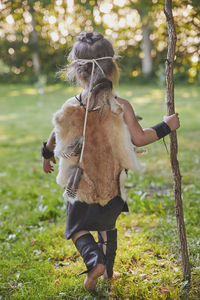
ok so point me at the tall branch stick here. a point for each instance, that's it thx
(173, 141)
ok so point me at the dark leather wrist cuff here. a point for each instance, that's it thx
(162, 129)
(45, 152)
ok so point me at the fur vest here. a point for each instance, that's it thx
(108, 151)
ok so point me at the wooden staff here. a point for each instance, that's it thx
(169, 66)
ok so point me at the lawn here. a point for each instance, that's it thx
(36, 262)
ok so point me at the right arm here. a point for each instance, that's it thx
(139, 136)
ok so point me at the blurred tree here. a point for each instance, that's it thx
(21, 16)
(34, 43)
(144, 9)
(36, 36)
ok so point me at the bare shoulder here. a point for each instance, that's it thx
(127, 106)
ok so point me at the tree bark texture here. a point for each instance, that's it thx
(173, 141)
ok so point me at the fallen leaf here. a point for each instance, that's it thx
(69, 258)
(33, 242)
(25, 267)
(163, 289)
(57, 282)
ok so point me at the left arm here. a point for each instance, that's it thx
(47, 162)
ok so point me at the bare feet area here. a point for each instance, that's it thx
(116, 275)
(92, 277)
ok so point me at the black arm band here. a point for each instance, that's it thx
(45, 152)
(162, 129)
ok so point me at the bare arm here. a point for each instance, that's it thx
(141, 137)
(47, 163)
(51, 141)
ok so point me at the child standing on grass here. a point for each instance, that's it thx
(94, 137)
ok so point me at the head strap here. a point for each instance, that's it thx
(83, 61)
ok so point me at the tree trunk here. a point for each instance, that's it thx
(147, 65)
(36, 63)
(35, 47)
(174, 143)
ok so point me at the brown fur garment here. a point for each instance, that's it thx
(108, 150)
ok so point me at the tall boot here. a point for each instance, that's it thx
(90, 252)
(109, 247)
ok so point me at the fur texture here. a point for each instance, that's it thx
(108, 150)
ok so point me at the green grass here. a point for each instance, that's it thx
(36, 262)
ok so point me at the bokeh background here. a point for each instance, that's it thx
(36, 37)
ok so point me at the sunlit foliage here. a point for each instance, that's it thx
(56, 23)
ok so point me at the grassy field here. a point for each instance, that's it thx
(35, 260)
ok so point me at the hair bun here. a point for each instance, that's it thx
(89, 34)
(89, 37)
